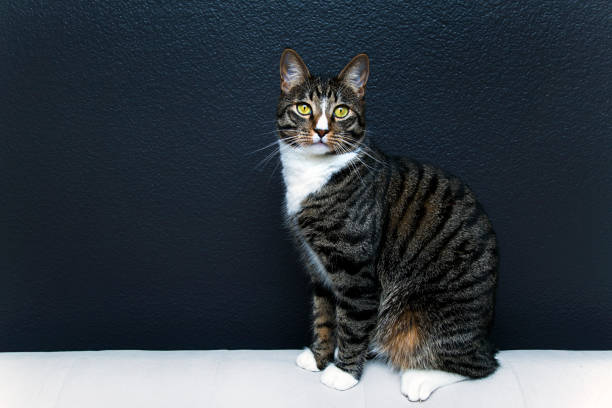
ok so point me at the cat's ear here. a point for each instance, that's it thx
(293, 71)
(356, 72)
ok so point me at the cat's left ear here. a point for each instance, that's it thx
(356, 73)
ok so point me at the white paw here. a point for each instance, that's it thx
(336, 378)
(306, 360)
(417, 385)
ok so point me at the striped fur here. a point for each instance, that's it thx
(403, 259)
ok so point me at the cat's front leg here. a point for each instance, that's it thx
(321, 351)
(355, 319)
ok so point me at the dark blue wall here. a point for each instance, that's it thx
(133, 216)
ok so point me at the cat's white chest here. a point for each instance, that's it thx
(305, 173)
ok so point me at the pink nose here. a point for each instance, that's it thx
(321, 132)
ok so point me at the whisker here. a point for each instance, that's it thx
(365, 148)
(352, 166)
(266, 159)
(262, 148)
(273, 171)
(354, 147)
(275, 132)
(291, 140)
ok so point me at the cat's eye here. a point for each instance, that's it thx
(341, 111)
(303, 109)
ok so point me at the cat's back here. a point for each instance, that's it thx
(420, 194)
(433, 222)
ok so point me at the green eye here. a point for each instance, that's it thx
(304, 109)
(341, 111)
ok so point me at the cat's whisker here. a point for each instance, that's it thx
(275, 143)
(270, 132)
(352, 166)
(266, 159)
(363, 148)
(262, 148)
(354, 143)
(273, 171)
(274, 132)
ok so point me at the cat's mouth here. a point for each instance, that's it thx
(319, 147)
(319, 143)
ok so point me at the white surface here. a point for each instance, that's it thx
(150, 379)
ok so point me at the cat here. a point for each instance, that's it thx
(402, 258)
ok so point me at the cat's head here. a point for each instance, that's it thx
(319, 115)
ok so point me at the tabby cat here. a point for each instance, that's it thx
(403, 259)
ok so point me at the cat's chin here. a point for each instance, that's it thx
(317, 149)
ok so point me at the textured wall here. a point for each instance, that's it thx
(133, 216)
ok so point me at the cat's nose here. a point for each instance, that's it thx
(321, 132)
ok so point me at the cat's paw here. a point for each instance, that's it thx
(336, 378)
(417, 385)
(306, 360)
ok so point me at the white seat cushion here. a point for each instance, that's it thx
(117, 379)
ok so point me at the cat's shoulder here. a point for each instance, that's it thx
(407, 167)
(402, 163)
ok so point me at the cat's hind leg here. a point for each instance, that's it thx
(447, 367)
(405, 339)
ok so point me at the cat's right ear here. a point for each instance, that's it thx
(293, 71)
(356, 73)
